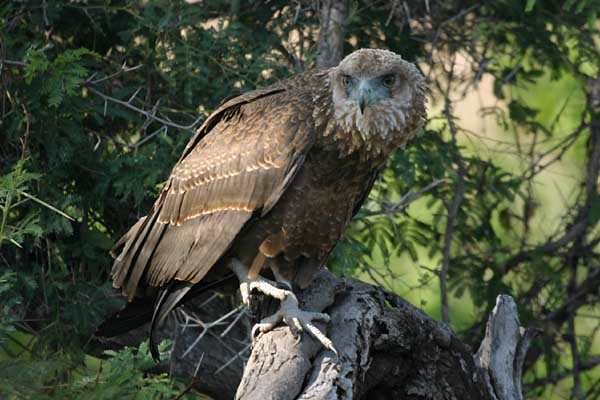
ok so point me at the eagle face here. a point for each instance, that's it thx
(378, 94)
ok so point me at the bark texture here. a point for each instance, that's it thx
(388, 349)
(330, 45)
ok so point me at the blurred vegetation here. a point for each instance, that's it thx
(99, 98)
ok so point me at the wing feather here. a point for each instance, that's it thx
(240, 162)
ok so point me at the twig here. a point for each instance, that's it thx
(392, 11)
(42, 202)
(391, 208)
(124, 68)
(12, 63)
(25, 138)
(438, 32)
(587, 365)
(232, 359)
(455, 205)
(193, 383)
(148, 114)
(235, 321)
(162, 129)
(207, 326)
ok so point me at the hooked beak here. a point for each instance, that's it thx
(362, 102)
(365, 95)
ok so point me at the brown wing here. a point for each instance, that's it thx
(239, 162)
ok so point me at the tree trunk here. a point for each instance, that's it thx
(330, 45)
(388, 349)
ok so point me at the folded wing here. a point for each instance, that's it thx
(237, 165)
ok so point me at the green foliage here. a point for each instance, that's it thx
(121, 376)
(17, 222)
(57, 79)
(9, 303)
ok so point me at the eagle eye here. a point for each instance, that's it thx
(346, 81)
(388, 81)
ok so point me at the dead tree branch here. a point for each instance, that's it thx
(388, 349)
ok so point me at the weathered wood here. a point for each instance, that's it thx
(502, 352)
(388, 349)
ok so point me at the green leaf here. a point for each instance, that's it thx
(592, 19)
(520, 112)
(569, 3)
(594, 214)
(36, 63)
(529, 6)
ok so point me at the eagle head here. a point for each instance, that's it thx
(378, 95)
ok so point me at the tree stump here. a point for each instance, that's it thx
(388, 349)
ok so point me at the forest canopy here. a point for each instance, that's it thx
(499, 193)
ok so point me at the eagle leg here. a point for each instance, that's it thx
(289, 312)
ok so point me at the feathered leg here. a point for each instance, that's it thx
(289, 312)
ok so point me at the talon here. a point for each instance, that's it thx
(253, 333)
(295, 326)
(301, 321)
(298, 339)
(245, 293)
(297, 319)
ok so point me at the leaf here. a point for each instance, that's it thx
(520, 112)
(594, 213)
(569, 3)
(592, 18)
(529, 6)
(36, 63)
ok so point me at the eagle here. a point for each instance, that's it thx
(266, 186)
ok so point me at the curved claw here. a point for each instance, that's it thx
(290, 313)
(320, 336)
(268, 323)
(245, 293)
(298, 321)
(294, 324)
(253, 332)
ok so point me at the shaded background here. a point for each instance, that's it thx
(498, 194)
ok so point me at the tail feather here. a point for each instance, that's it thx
(168, 299)
(140, 311)
(134, 315)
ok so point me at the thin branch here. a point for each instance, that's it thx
(148, 114)
(392, 208)
(194, 381)
(454, 207)
(12, 63)
(577, 298)
(124, 68)
(235, 357)
(586, 365)
(207, 326)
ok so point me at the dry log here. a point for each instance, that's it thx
(388, 349)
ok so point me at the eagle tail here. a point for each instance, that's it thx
(134, 315)
(168, 299)
(141, 311)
